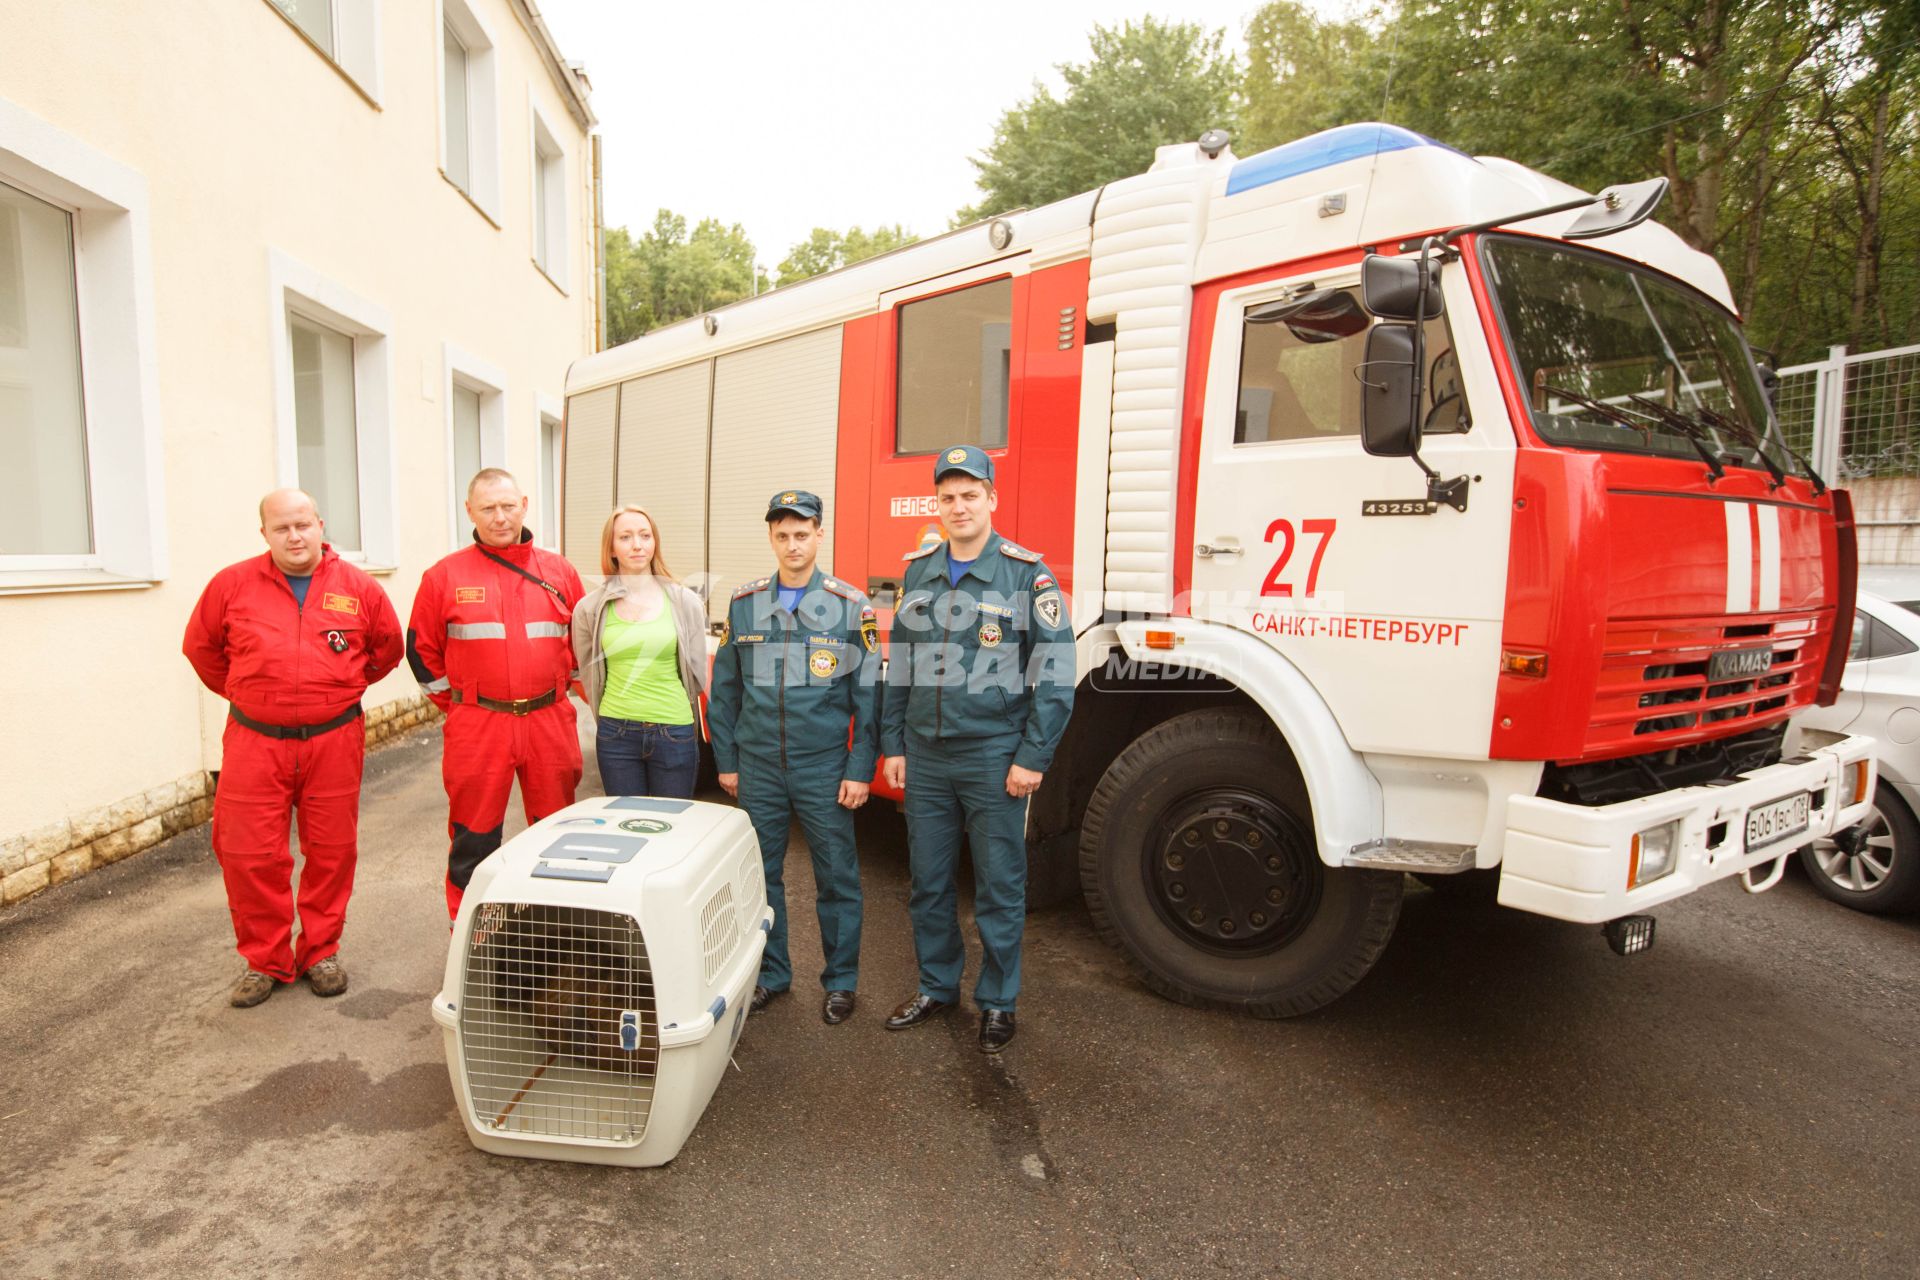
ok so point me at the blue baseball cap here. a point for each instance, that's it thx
(793, 502)
(964, 458)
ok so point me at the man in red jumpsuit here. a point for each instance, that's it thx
(488, 642)
(291, 639)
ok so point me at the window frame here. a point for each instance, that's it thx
(482, 189)
(355, 28)
(548, 167)
(462, 368)
(549, 411)
(120, 391)
(297, 289)
(993, 273)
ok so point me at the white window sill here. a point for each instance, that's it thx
(469, 198)
(548, 277)
(25, 582)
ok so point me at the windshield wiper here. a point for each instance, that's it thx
(1689, 430)
(1746, 435)
(1601, 407)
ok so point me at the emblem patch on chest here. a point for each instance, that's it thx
(989, 634)
(339, 603)
(823, 662)
(469, 595)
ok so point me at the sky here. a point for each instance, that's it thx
(787, 116)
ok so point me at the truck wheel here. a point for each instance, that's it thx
(1198, 863)
(1874, 866)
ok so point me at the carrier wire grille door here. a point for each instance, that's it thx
(558, 1022)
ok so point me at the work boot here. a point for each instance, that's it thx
(328, 978)
(253, 988)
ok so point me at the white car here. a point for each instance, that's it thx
(1876, 865)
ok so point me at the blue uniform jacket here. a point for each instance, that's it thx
(787, 686)
(986, 657)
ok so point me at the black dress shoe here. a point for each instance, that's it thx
(996, 1029)
(916, 1011)
(838, 1007)
(762, 997)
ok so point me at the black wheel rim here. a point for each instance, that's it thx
(1231, 872)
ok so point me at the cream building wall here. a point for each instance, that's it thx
(237, 171)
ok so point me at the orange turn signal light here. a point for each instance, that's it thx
(1859, 782)
(1523, 662)
(1161, 639)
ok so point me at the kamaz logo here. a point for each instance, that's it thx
(1737, 664)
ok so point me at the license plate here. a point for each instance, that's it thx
(1777, 821)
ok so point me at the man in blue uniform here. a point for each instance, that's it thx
(979, 687)
(793, 715)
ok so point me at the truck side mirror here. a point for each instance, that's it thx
(1390, 287)
(1770, 383)
(1389, 427)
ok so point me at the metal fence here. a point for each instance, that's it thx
(1855, 416)
(1857, 419)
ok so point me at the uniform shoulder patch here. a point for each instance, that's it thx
(845, 590)
(747, 589)
(1019, 553)
(927, 550)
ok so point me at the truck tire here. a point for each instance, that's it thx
(1198, 863)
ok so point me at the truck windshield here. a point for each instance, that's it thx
(1620, 359)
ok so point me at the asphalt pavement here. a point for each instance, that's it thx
(1501, 1097)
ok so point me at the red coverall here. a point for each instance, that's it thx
(480, 631)
(281, 663)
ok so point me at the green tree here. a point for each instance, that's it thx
(1147, 84)
(826, 250)
(671, 273)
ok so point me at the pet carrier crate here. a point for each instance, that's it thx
(599, 977)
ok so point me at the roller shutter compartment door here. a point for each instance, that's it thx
(776, 412)
(587, 475)
(663, 460)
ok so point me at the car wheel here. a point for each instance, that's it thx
(1874, 866)
(1199, 864)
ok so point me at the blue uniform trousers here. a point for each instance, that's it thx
(773, 796)
(961, 785)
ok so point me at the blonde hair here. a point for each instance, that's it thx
(656, 566)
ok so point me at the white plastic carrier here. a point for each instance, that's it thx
(599, 977)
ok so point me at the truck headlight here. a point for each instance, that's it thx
(1653, 854)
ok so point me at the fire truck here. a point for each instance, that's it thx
(1419, 514)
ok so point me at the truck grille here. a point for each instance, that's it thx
(1669, 682)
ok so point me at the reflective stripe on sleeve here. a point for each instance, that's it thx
(438, 686)
(546, 631)
(476, 631)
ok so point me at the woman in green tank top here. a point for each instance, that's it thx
(639, 642)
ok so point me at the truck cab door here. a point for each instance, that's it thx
(1327, 553)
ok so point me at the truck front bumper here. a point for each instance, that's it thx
(1573, 862)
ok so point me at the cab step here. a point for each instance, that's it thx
(1421, 856)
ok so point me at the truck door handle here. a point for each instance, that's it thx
(1207, 552)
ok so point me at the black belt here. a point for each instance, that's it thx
(299, 732)
(517, 707)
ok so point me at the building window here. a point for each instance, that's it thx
(546, 513)
(44, 504)
(324, 425)
(333, 406)
(346, 31)
(81, 493)
(470, 131)
(550, 242)
(456, 166)
(955, 356)
(476, 431)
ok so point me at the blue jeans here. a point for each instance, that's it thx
(642, 759)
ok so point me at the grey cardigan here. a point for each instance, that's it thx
(690, 629)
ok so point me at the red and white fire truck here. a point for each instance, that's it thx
(1419, 514)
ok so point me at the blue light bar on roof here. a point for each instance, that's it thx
(1321, 150)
